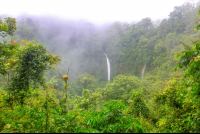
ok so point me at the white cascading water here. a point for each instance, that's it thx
(143, 71)
(108, 65)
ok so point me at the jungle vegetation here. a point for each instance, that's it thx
(53, 75)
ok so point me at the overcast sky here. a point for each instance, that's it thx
(97, 11)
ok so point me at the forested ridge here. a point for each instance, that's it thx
(53, 75)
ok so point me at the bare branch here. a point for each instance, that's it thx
(59, 74)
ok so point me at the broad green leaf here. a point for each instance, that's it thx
(196, 28)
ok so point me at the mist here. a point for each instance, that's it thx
(74, 41)
(129, 70)
(81, 44)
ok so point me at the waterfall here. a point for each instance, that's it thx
(108, 65)
(143, 71)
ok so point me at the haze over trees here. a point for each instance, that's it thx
(35, 53)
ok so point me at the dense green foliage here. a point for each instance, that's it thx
(35, 98)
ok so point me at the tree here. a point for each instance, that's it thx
(8, 27)
(24, 32)
(137, 105)
(146, 23)
(85, 79)
(34, 60)
(198, 26)
(7, 50)
(121, 87)
(87, 100)
(8, 58)
(189, 60)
